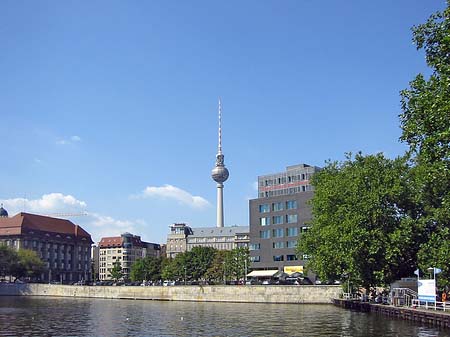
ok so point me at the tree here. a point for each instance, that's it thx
(29, 264)
(217, 271)
(199, 260)
(362, 221)
(8, 259)
(116, 271)
(148, 268)
(425, 124)
(237, 261)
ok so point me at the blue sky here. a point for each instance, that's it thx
(110, 107)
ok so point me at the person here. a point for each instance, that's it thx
(444, 296)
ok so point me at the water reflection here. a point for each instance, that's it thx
(20, 316)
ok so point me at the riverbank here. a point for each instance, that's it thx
(317, 294)
(432, 317)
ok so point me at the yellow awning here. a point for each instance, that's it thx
(262, 273)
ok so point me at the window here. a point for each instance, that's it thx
(264, 234)
(291, 218)
(277, 233)
(291, 257)
(304, 229)
(277, 220)
(264, 208)
(277, 206)
(291, 244)
(291, 204)
(255, 259)
(293, 231)
(278, 245)
(255, 246)
(278, 258)
(264, 221)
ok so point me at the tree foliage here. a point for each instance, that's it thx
(361, 223)
(22, 263)
(148, 268)
(29, 264)
(116, 271)
(425, 124)
(207, 264)
(8, 259)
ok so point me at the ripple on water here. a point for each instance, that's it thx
(26, 316)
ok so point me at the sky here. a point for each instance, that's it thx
(110, 108)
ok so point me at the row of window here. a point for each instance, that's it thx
(278, 219)
(279, 232)
(284, 179)
(285, 191)
(278, 206)
(289, 257)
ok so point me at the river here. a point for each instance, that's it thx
(45, 316)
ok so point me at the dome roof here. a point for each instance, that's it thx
(220, 174)
(3, 212)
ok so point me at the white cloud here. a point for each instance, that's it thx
(174, 193)
(71, 140)
(98, 225)
(48, 203)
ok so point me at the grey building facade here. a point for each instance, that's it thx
(278, 216)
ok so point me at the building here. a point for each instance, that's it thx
(125, 249)
(278, 216)
(183, 238)
(177, 239)
(64, 246)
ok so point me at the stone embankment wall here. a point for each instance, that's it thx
(319, 294)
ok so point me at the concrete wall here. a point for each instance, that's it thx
(247, 294)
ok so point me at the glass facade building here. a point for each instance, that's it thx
(279, 215)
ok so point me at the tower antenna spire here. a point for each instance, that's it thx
(220, 127)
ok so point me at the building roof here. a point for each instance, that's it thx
(113, 241)
(25, 222)
(117, 241)
(218, 231)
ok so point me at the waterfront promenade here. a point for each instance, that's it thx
(432, 317)
(242, 294)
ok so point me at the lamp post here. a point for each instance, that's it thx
(224, 275)
(185, 272)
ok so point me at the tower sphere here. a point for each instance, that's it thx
(220, 174)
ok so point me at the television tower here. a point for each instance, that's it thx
(220, 173)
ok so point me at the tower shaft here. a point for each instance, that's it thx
(219, 220)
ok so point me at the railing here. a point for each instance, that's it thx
(403, 296)
(350, 296)
(435, 305)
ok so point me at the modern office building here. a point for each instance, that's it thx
(278, 216)
(183, 238)
(64, 246)
(125, 249)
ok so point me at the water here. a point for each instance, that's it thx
(44, 316)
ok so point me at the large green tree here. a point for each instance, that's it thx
(8, 260)
(148, 268)
(29, 264)
(425, 123)
(362, 224)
